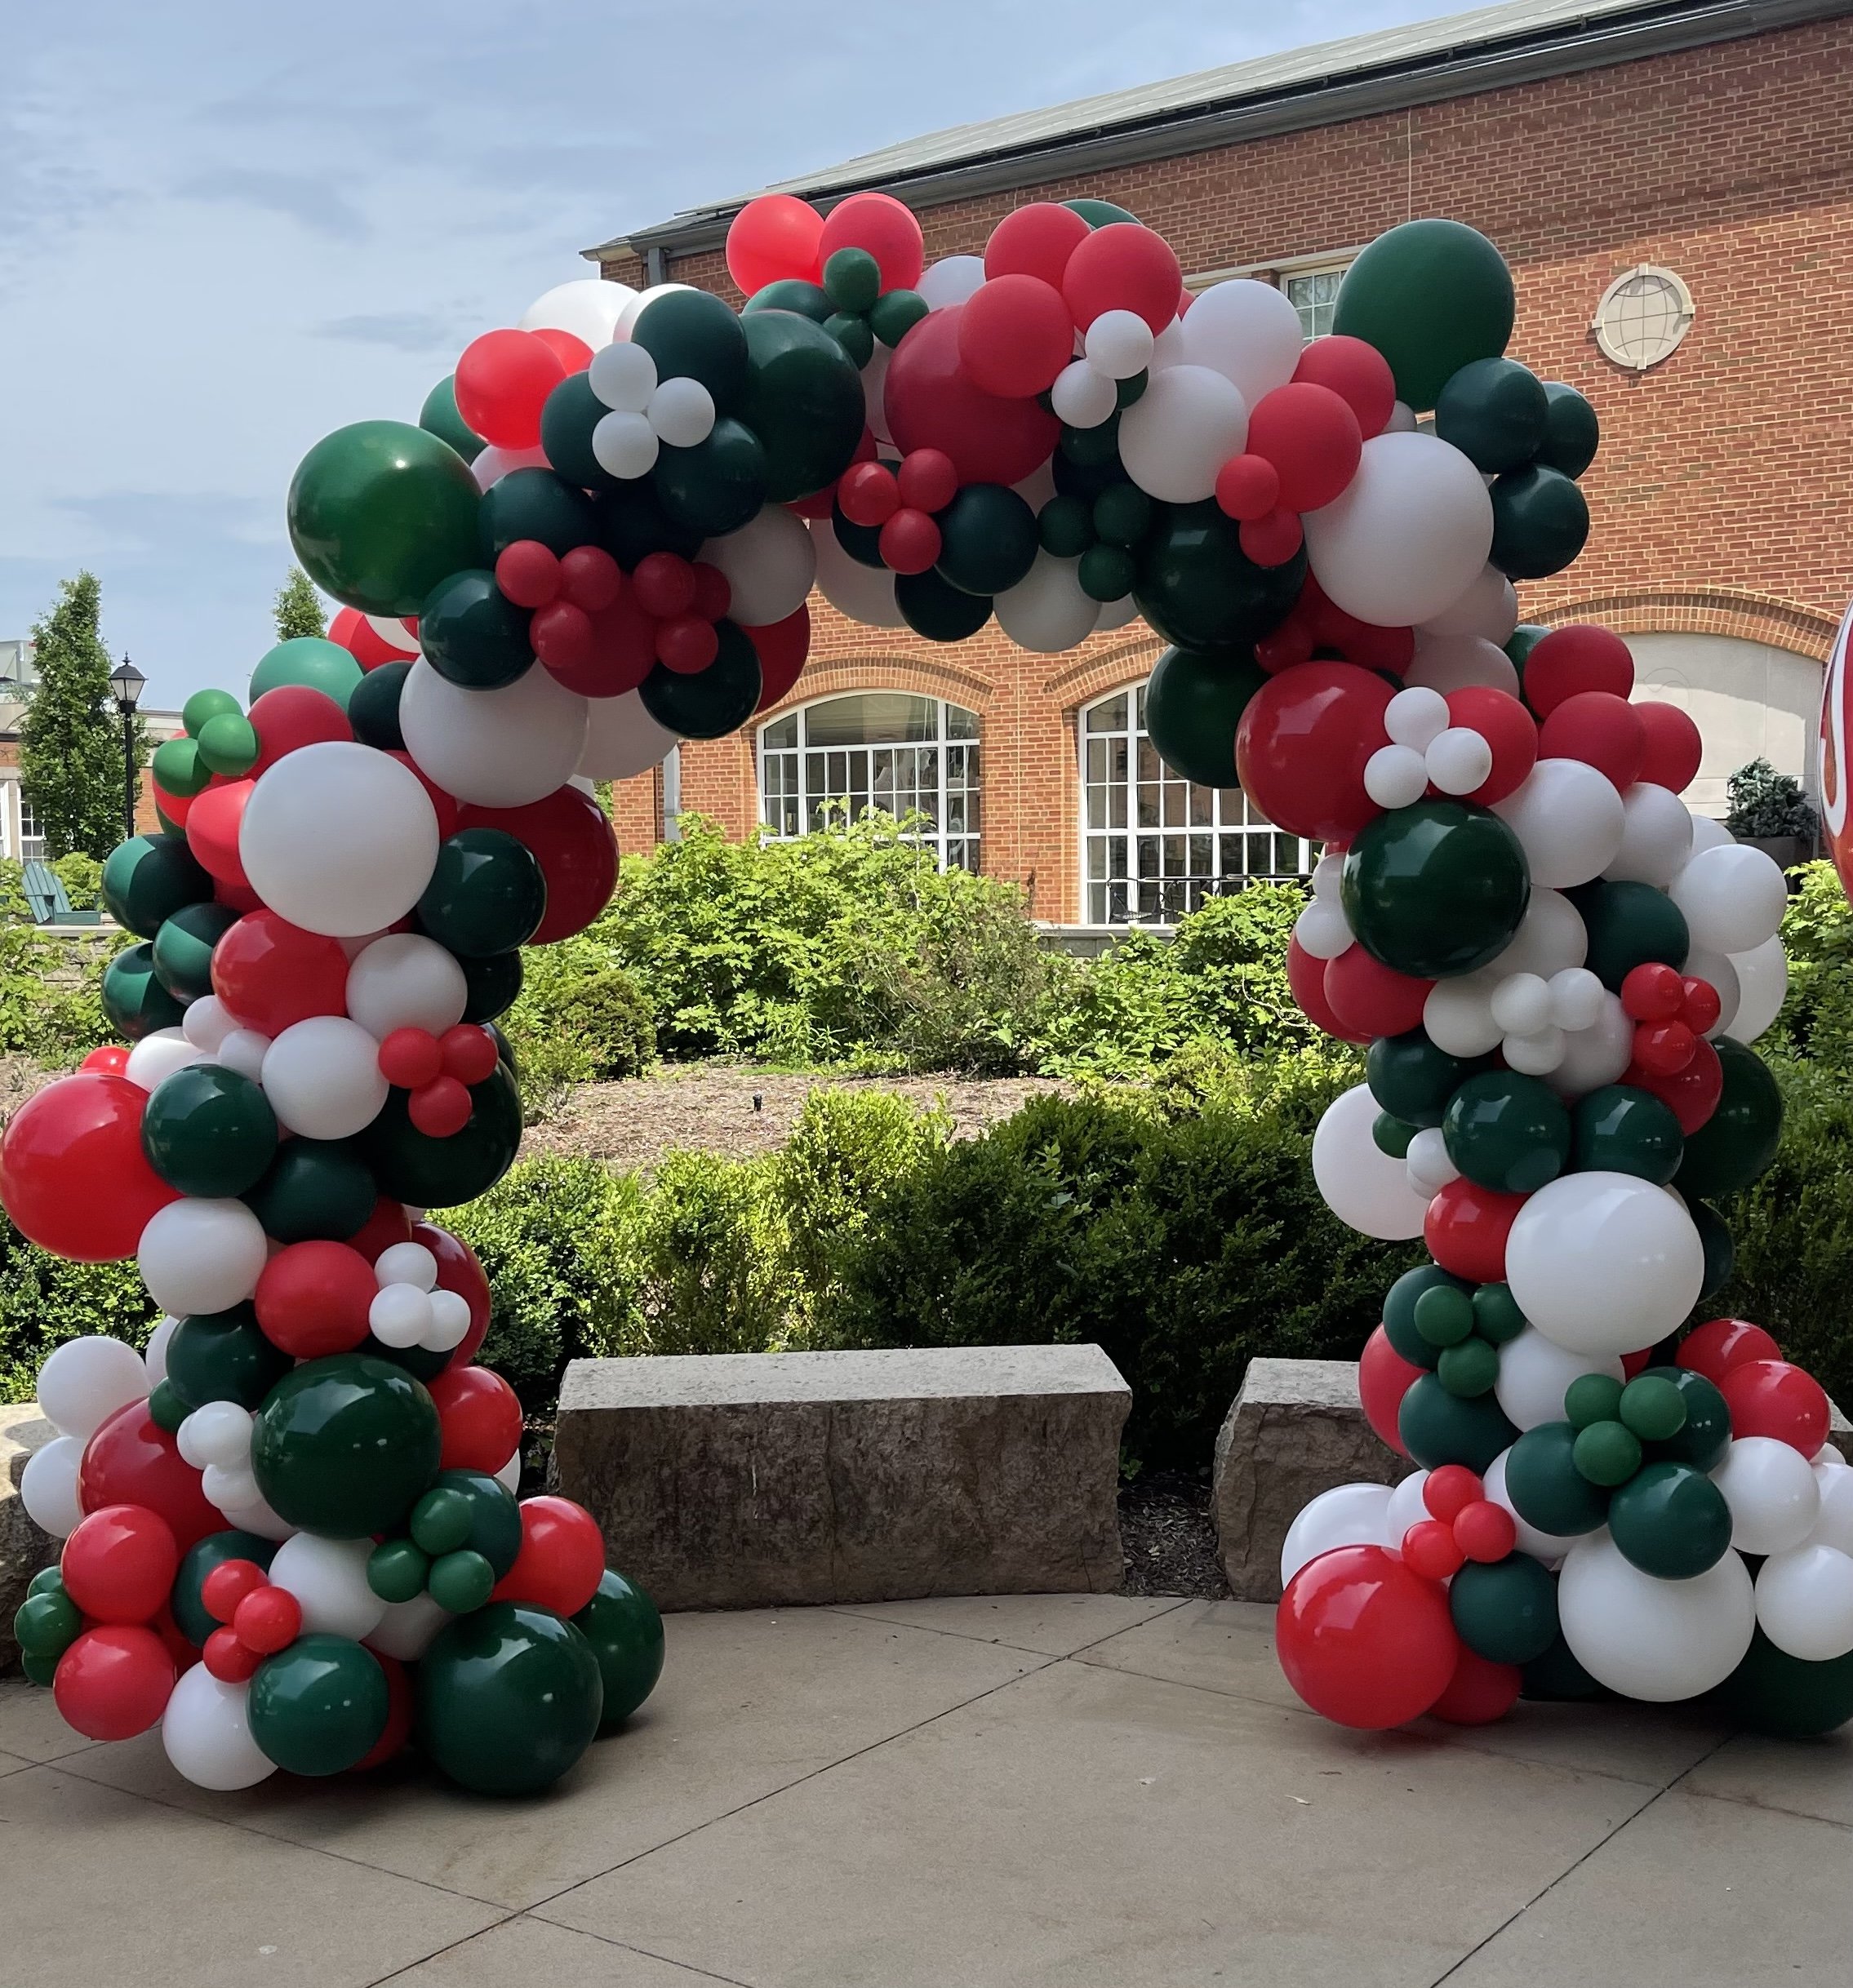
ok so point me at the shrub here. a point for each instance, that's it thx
(46, 1300)
(581, 1019)
(1764, 803)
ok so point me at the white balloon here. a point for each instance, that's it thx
(256, 1516)
(1246, 330)
(861, 592)
(1717, 969)
(1407, 537)
(202, 1256)
(1119, 343)
(328, 1577)
(1046, 611)
(589, 308)
(1604, 1262)
(1365, 1188)
(1548, 1547)
(1406, 1507)
(1488, 609)
(1710, 834)
(1805, 1603)
(322, 1077)
(1568, 819)
(1522, 1004)
(217, 1432)
(1083, 395)
(771, 565)
(1402, 422)
(48, 1485)
(493, 463)
(1429, 1166)
(1733, 898)
(406, 1262)
(623, 377)
(207, 1023)
(1578, 999)
(206, 1731)
(639, 304)
(394, 634)
(158, 1055)
(85, 1381)
(1596, 1055)
(1774, 1500)
(1834, 1523)
(1550, 937)
(1459, 760)
(1445, 663)
(1656, 837)
(400, 1315)
(624, 444)
(1458, 1015)
(405, 980)
(1347, 1515)
(244, 1051)
(1395, 776)
(508, 1477)
(227, 1488)
(874, 393)
(950, 280)
(405, 1628)
(1659, 1641)
(449, 1321)
(1180, 431)
(1322, 929)
(1535, 1373)
(1762, 986)
(1416, 717)
(503, 748)
(154, 1357)
(622, 738)
(1535, 1053)
(681, 412)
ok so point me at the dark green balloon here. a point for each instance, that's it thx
(319, 1705)
(1495, 412)
(1392, 1136)
(1505, 1610)
(852, 279)
(803, 399)
(472, 634)
(692, 335)
(852, 333)
(895, 313)
(1496, 1316)
(633, 524)
(438, 416)
(1435, 890)
(1127, 391)
(197, 1562)
(310, 662)
(509, 1697)
(460, 1580)
(1086, 460)
(440, 1521)
(1408, 1077)
(373, 710)
(1786, 1696)
(863, 542)
(1064, 526)
(148, 878)
(1100, 213)
(714, 702)
(209, 1131)
(428, 1172)
(1431, 296)
(166, 1409)
(1623, 1130)
(1670, 1520)
(1607, 1454)
(717, 485)
(396, 1569)
(621, 1624)
(492, 1517)
(491, 986)
(344, 1446)
(933, 607)
(534, 504)
(487, 894)
(1470, 1368)
(1706, 1434)
(1558, 1677)
(315, 1190)
(224, 1356)
(1628, 924)
(1193, 702)
(1198, 589)
(1571, 431)
(1507, 1132)
(38, 1669)
(135, 1001)
(1546, 1489)
(1399, 1311)
(178, 768)
(572, 411)
(1444, 1315)
(1540, 521)
(986, 540)
(1122, 514)
(1714, 1238)
(1523, 641)
(1737, 1144)
(47, 1580)
(792, 292)
(183, 948)
(1106, 572)
(1438, 1428)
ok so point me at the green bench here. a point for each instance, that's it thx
(45, 893)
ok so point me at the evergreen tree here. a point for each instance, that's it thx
(71, 771)
(299, 608)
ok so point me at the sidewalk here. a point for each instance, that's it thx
(1069, 1791)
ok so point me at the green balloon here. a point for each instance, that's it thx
(1704, 1436)
(1737, 1144)
(1523, 641)
(793, 293)
(396, 1569)
(343, 1446)
(1100, 213)
(166, 1409)
(314, 1190)
(1571, 431)
(440, 1520)
(203, 706)
(1592, 1398)
(1714, 1238)
(1193, 702)
(621, 1624)
(1122, 514)
(717, 485)
(1408, 1077)
(38, 1669)
(487, 894)
(1127, 391)
(472, 634)
(1507, 1132)
(692, 335)
(178, 768)
(1064, 526)
(148, 878)
(460, 1580)
(853, 335)
(492, 1516)
(986, 540)
(1786, 1696)
(380, 511)
(1495, 412)
(1392, 1136)
(1400, 1302)
(633, 524)
(1652, 1408)
(863, 542)
(1198, 589)
(1467, 1369)
(1607, 1454)
(1438, 1426)
(1435, 890)
(491, 986)
(1106, 572)
(895, 313)
(209, 1131)
(319, 1705)
(47, 1625)
(803, 399)
(1087, 461)
(1670, 1520)
(1540, 521)
(1431, 296)
(228, 744)
(534, 504)
(509, 1697)
(1628, 924)
(428, 1172)
(934, 608)
(134, 998)
(224, 1356)
(373, 710)
(1547, 1489)
(852, 279)
(312, 662)
(1506, 1610)
(1558, 1677)
(1444, 1315)
(47, 1580)
(1619, 1129)
(197, 1562)
(572, 411)
(1496, 1316)
(439, 416)
(182, 947)
(715, 701)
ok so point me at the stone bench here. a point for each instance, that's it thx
(23, 1548)
(743, 1480)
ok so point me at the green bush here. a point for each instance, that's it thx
(581, 1019)
(44, 1300)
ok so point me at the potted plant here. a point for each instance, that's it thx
(1769, 810)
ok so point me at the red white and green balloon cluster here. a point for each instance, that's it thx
(290, 1533)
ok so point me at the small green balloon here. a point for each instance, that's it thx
(1571, 431)
(1392, 1136)
(895, 313)
(38, 1669)
(986, 540)
(803, 399)
(166, 1409)
(533, 503)
(373, 710)
(1496, 1316)
(182, 947)
(311, 663)
(719, 484)
(203, 706)
(472, 634)
(509, 1697)
(228, 744)
(1123, 515)
(932, 607)
(1400, 1302)
(197, 1562)
(1444, 1315)
(224, 1356)
(1106, 573)
(1705, 1435)
(1592, 1398)
(314, 1190)
(1786, 1696)
(494, 1527)
(1438, 1426)
(1652, 1408)
(1496, 411)
(47, 1625)
(1523, 641)
(487, 894)
(1670, 1520)
(1738, 1143)
(343, 1446)
(717, 700)
(1628, 924)
(1507, 1132)
(460, 1580)
(319, 1705)
(47, 1580)
(439, 416)
(792, 292)
(852, 333)
(209, 1131)
(852, 279)
(178, 768)
(1410, 1077)
(692, 335)
(1470, 1368)
(1607, 1454)
(621, 1624)
(1435, 890)
(568, 416)
(1198, 588)
(1093, 451)
(148, 878)
(396, 1569)
(427, 1173)
(1504, 1611)
(133, 997)
(1547, 1489)
(1540, 522)
(1194, 700)
(1064, 526)
(1431, 296)
(1619, 1129)
(440, 1520)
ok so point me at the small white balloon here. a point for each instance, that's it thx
(1322, 929)
(244, 1051)
(624, 444)
(1535, 1373)
(206, 1733)
(449, 1321)
(1458, 1015)
(1774, 1500)
(502, 748)
(406, 1262)
(493, 464)
(1347, 1515)
(217, 1432)
(623, 739)
(682, 411)
(1710, 834)
(1733, 898)
(1046, 611)
(1604, 1262)
(1575, 999)
(950, 280)
(1762, 986)
(639, 304)
(508, 1477)
(1834, 1522)
(207, 1023)
(1656, 837)
(1522, 1004)
(1248, 331)
(322, 1078)
(1459, 760)
(48, 1485)
(1805, 1603)
(227, 1488)
(1596, 1055)
(158, 1056)
(198, 1256)
(623, 377)
(770, 566)
(1536, 1053)
(328, 1577)
(1083, 395)
(1396, 776)
(406, 980)
(1568, 819)
(1659, 1641)
(84, 1381)
(1429, 1167)
(1416, 717)
(400, 1315)
(1119, 343)
(1364, 1185)
(405, 1629)
(256, 1515)
(1402, 422)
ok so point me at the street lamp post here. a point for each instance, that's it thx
(126, 680)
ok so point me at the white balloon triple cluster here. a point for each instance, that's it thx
(1427, 750)
(645, 412)
(410, 1310)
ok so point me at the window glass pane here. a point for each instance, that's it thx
(868, 718)
(781, 731)
(1109, 716)
(960, 723)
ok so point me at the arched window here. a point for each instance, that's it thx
(1152, 846)
(880, 750)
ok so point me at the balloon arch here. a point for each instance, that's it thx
(290, 1533)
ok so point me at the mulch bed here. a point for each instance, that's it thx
(1167, 1538)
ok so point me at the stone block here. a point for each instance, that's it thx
(23, 1548)
(743, 1480)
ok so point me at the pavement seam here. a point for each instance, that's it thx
(649, 1953)
(438, 1953)
(1003, 1642)
(1767, 1809)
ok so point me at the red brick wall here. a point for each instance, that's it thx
(1721, 496)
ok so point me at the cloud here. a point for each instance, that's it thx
(416, 332)
(316, 203)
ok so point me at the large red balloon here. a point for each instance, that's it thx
(119, 1564)
(1306, 977)
(213, 821)
(885, 228)
(458, 1271)
(1035, 241)
(480, 1417)
(1303, 744)
(1357, 373)
(1466, 1228)
(1365, 1641)
(1124, 266)
(1717, 1346)
(114, 1682)
(131, 1460)
(1312, 437)
(1371, 999)
(1598, 728)
(72, 1174)
(573, 843)
(782, 647)
(312, 1299)
(1014, 337)
(562, 1559)
(932, 403)
(1771, 1398)
(270, 973)
(1384, 1377)
(293, 715)
(1673, 746)
(364, 642)
(771, 239)
(1578, 657)
(503, 380)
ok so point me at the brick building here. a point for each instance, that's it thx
(1672, 185)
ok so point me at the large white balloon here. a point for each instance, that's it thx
(340, 839)
(328, 1577)
(1551, 937)
(405, 1628)
(1604, 1262)
(85, 1381)
(950, 280)
(861, 592)
(1762, 986)
(322, 1077)
(1446, 662)
(1535, 1373)
(158, 1055)
(1733, 897)
(1548, 1547)
(206, 1731)
(1659, 1641)
(1834, 1523)
(405, 981)
(589, 308)
(622, 738)
(500, 748)
(154, 1357)
(1180, 431)
(1569, 821)
(1656, 837)
(1046, 611)
(1246, 330)
(1347, 1515)
(1489, 609)
(770, 566)
(1805, 1603)
(1774, 1496)
(202, 1256)
(1365, 1188)
(48, 1485)
(639, 304)
(1409, 535)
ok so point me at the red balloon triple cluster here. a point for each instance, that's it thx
(438, 1070)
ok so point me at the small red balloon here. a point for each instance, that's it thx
(1448, 1490)
(562, 1559)
(1384, 1377)
(885, 228)
(910, 541)
(1691, 1094)
(501, 384)
(1479, 1691)
(1357, 373)
(1672, 745)
(563, 636)
(1602, 730)
(227, 1585)
(714, 592)
(686, 644)
(1507, 729)
(869, 494)
(1717, 1346)
(590, 578)
(573, 354)
(1772, 1398)
(1364, 1640)
(131, 1460)
(440, 1109)
(1432, 1550)
(312, 1299)
(1577, 658)
(926, 480)
(1371, 999)
(480, 1417)
(1014, 337)
(1466, 1228)
(1122, 267)
(119, 1564)
(663, 584)
(782, 647)
(73, 1173)
(570, 837)
(1036, 240)
(1273, 540)
(213, 822)
(1249, 486)
(1303, 744)
(111, 1058)
(1653, 992)
(1485, 1531)
(1312, 437)
(409, 1057)
(1701, 1007)
(270, 973)
(294, 715)
(114, 1682)
(1663, 1048)
(230, 1660)
(268, 1619)
(469, 1053)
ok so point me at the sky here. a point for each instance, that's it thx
(228, 229)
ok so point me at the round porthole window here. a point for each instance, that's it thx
(1643, 315)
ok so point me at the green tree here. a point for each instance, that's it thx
(299, 608)
(71, 771)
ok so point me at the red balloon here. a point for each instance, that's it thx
(227, 1585)
(1653, 991)
(1663, 1048)
(458, 1271)
(440, 1109)
(312, 1299)
(1035, 241)
(119, 1564)
(869, 494)
(1303, 744)
(572, 840)
(131, 1460)
(409, 1057)
(1672, 746)
(1691, 1094)
(885, 228)
(1122, 267)
(528, 573)
(1014, 337)
(590, 578)
(388, 1224)
(1717, 1346)
(1273, 540)
(1384, 1377)
(114, 1682)
(927, 479)
(1363, 1639)
(562, 1559)
(293, 715)
(573, 354)
(1602, 729)
(1357, 373)
(1449, 1489)
(480, 1417)
(663, 584)
(909, 541)
(469, 1052)
(1479, 1691)
(502, 383)
(112, 1058)
(1432, 1550)
(1507, 727)
(1371, 999)
(231, 1662)
(1485, 1531)
(1701, 1006)
(686, 644)
(1247, 487)
(782, 647)
(445, 804)
(72, 1174)
(622, 654)
(213, 821)
(1312, 437)
(364, 642)
(1578, 657)
(1306, 976)
(400, 1707)
(1770, 1397)
(714, 592)
(1466, 1229)
(270, 973)
(268, 1619)
(771, 239)
(932, 403)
